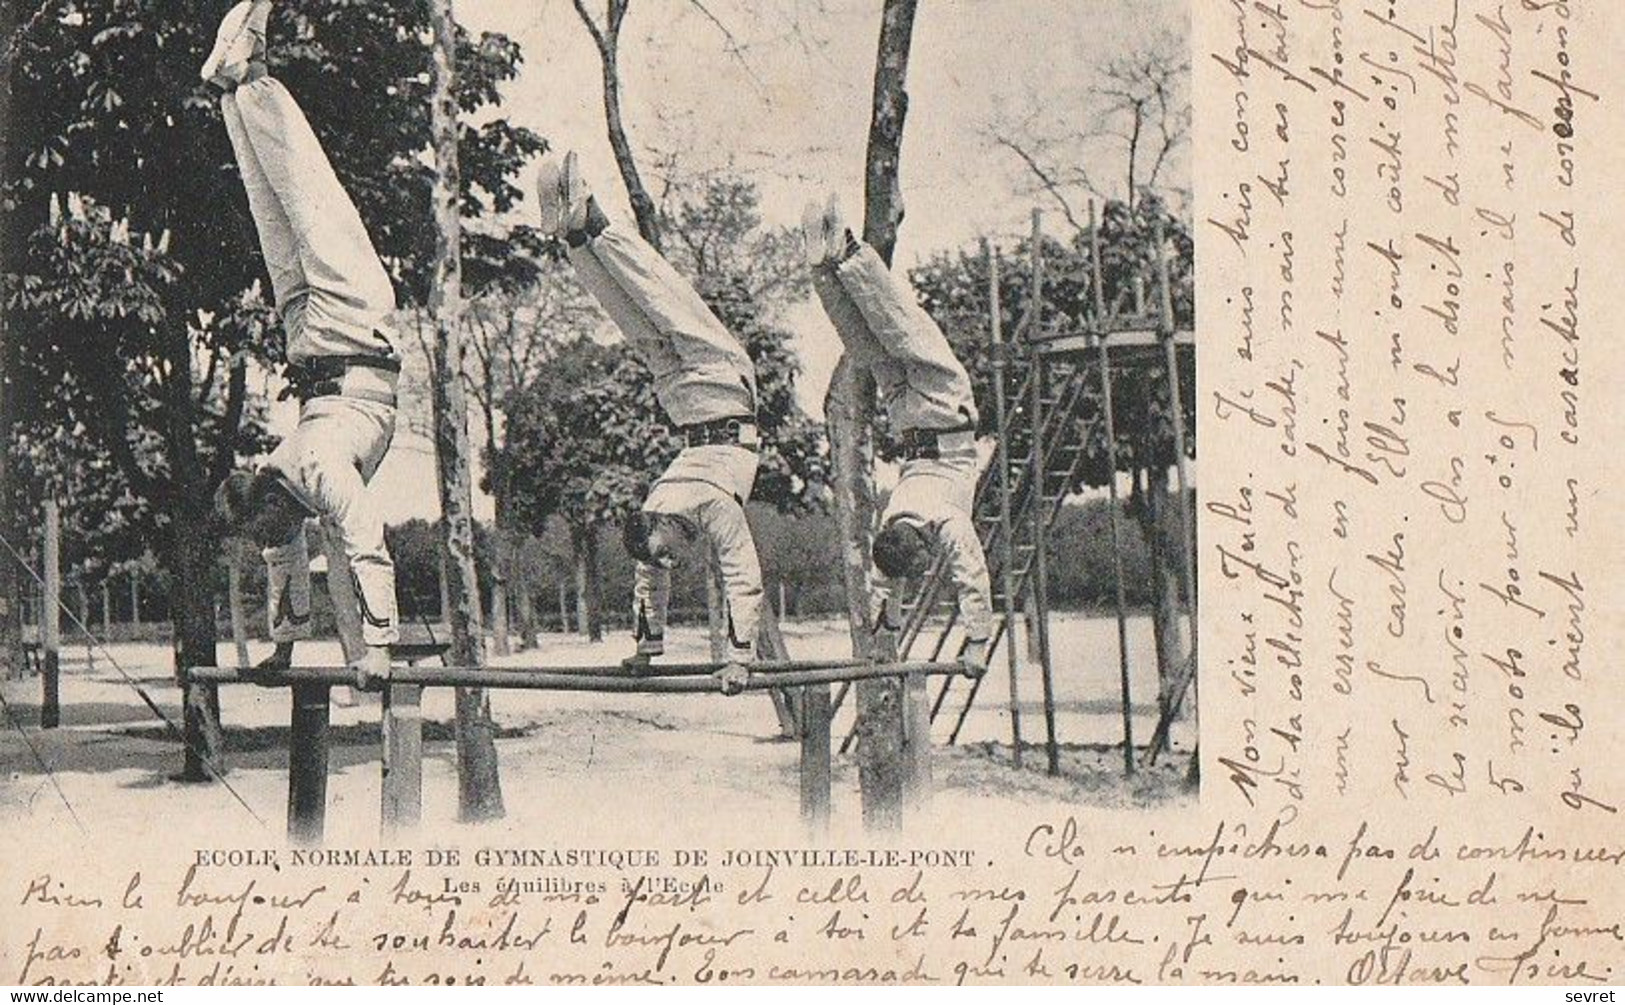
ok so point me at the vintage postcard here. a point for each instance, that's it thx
(611, 492)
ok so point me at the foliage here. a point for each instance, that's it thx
(138, 320)
(715, 231)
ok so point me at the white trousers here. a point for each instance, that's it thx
(333, 293)
(922, 383)
(701, 372)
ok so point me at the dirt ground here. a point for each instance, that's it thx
(574, 764)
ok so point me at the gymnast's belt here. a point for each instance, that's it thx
(734, 432)
(930, 444)
(367, 377)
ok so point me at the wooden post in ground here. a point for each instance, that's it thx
(307, 764)
(50, 629)
(815, 757)
(914, 727)
(135, 602)
(1041, 502)
(885, 770)
(916, 743)
(403, 759)
(1098, 290)
(107, 612)
(1007, 546)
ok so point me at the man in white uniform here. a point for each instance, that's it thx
(706, 385)
(927, 396)
(335, 300)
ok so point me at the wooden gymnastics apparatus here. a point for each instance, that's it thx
(1044, 419)
(402, 726)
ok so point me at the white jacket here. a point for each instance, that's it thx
(708, 487)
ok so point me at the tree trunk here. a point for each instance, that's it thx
(851, 412)
(578, 561)
(478, 785)
(192, 611)
(643, 205)
(589, 592)
(501, 547)
(84, 625)
(595, 588)
(11, 597)
(850, 406)
(50, 620)
(192, 558)
(443, 579)
(564, 612)
(499, 598)
(882, 190)
(527, 617)
(1164, 585)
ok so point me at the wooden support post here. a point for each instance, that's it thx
(1118, 586)
(1007, 554)
(403, 759)
(1098, 284)
(914, 727)
(1187, 522)
(1041, 502)
(815, 757)
(883, 765)
(107, 612)
(135, 601)
(307, 764)
(916, 743)
(50, 633)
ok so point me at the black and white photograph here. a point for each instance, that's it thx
(579, 493)
(670, 385)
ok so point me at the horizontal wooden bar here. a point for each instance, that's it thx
(1118, 342)
(675, 679)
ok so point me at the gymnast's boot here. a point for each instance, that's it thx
(824, 236)
(812, 234)
(641, 662)
(563, 195)
(238, 55)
